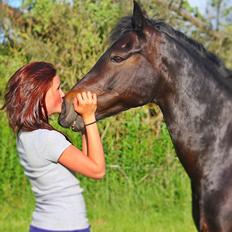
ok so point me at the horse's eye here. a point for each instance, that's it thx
(157, 27)
(116, 59)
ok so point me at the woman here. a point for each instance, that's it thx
(48, 158)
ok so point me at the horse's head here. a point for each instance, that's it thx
(126, 75)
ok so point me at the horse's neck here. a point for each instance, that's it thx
(197, 112)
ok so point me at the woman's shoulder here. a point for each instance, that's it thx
(41, 139)
(47, 144)
(40, 134)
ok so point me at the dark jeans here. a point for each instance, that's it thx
(35, 229)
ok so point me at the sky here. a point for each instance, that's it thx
(14, 3)
(201, 4)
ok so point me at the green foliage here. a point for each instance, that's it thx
(70, 37)
(143, 173)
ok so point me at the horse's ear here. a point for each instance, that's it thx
(138, 18)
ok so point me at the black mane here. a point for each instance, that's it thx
(125, 25)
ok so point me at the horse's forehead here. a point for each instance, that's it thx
(127, 37)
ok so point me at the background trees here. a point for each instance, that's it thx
(143, 175)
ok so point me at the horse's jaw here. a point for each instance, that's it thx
(77, 123)
(108, 104)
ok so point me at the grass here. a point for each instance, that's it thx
(114, 211)
(131, 211)
(145, 189)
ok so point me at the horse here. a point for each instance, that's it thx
(150, 62)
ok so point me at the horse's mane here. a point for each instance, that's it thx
(125, 25)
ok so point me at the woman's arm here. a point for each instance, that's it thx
(92, 164)
(84, 144)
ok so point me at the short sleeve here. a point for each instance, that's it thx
(52, 143)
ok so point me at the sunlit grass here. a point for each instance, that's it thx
(120, 211)
(145, 188)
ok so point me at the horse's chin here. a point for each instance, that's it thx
(77, 125)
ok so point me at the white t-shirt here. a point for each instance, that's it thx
(59, 201)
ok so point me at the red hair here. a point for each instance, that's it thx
(25, 97)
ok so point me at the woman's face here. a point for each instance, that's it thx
(54, 97)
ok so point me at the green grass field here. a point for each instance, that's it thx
(111, 212)
(145, 187)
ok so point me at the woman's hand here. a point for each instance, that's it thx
(85, 104)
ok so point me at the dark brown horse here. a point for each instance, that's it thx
(148, 61)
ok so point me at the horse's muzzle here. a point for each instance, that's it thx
(67, 115)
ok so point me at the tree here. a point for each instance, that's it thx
(219, 13)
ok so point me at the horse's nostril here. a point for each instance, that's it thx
(67, 115)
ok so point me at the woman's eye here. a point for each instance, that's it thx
(116, 59)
